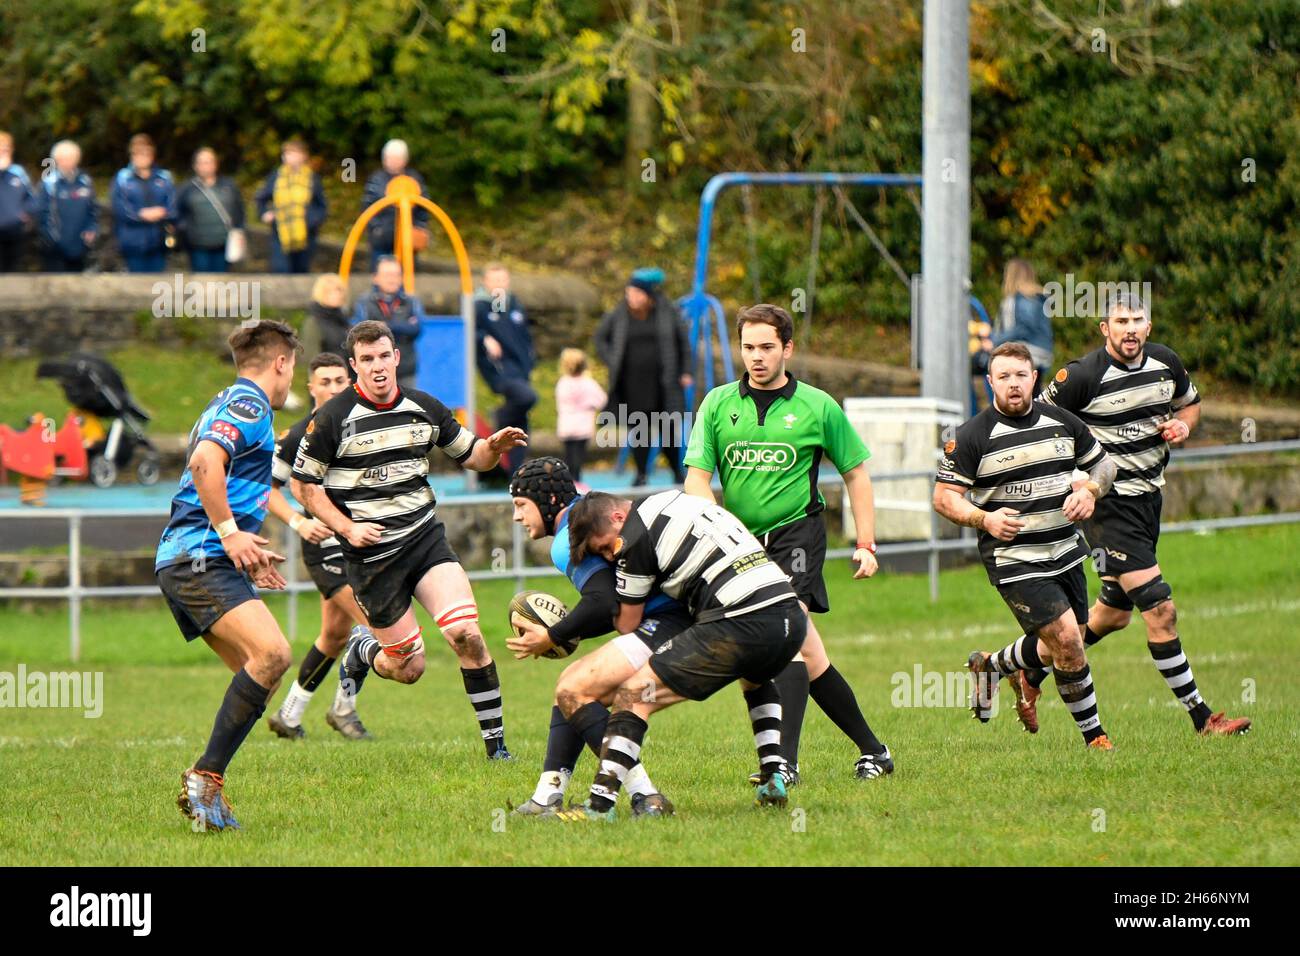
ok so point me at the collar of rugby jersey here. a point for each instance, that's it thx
(765, 398)
(1124, 366)
(248, 381)
(361, 394)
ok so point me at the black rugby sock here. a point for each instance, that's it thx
(563, 744)
(793, 686)
(589, 721)
(240, 710)
(835, 697)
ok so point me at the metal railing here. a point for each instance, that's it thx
(934, 546)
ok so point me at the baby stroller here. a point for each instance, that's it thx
(96, 391)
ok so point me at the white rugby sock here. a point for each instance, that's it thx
(549, 784)
(295, 702)
(638, 781)
(344, 703)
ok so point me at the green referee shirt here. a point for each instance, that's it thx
(768, 455)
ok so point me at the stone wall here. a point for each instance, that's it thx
(43, 313)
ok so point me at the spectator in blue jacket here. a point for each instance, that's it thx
(388, 302)
(505, 352)
(144, 206)
(292, 202)
(382, 228)
(16, 201)
(66, 211)
(1022, 317)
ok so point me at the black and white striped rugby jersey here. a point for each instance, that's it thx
(1026, 464)
(373, 461)
(286, 447)
(1124, 407)
(699, 553)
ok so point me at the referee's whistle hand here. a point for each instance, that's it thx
(867, 564)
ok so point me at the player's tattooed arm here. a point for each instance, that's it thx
(1101, 477)
(950, 501)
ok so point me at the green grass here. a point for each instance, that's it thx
(101, 791)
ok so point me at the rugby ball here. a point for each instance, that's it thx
(544, 609)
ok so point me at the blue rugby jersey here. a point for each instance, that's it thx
(592, 563)
(239, 420)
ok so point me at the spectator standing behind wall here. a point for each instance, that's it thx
(16, 205)
(387, 302)
(644, 342)
(328, 316)
(380, 231)
(578, 397)
(144, 208)
(1022, 317)
(505, 353)
(291, 200)
(66, 211)
(208, 208)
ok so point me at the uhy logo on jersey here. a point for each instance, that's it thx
(759, 456)
(210, 300)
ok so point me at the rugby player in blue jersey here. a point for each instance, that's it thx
(211, 560)
(542, 491)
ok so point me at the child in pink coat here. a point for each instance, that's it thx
(578, 397)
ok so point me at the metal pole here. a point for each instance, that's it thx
(945, 199)
(292, 579)
(467, 315)
(74, 587)
(934, 557)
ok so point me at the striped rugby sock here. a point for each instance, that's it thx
(619, 752)
(1177, 672)
(764, 703)
(1076, 690)
(484, 691)
(1020, 655)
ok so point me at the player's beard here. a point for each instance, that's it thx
(1125, 344)
(1026, 399)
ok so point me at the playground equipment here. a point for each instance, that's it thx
(447, 342)
(702, 310)
(82, 447)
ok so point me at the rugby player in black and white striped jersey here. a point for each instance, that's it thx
(1017, 460)
(362, 469)
(747, 624)
(1136, 397)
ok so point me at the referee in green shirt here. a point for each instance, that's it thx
(765, 436)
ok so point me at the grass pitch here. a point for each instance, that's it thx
(102, 791)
